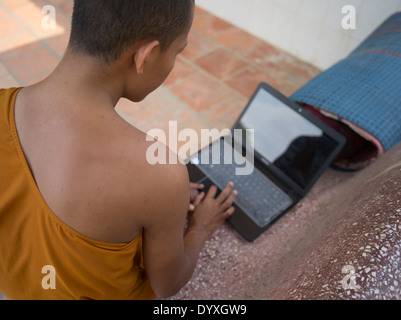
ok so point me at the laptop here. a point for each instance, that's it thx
(274, 154)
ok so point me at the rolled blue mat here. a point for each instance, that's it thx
(364, 89)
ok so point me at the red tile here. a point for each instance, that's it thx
(16, 44)
(262, 53)
(237, 40)
(3, 14)
(226, 113)
(247, 81)
(13, 4)
(35, 26)
(198, 45)
(28, 11)
(210, 25)
(181, 71)
(32, 63)
(221, 63)
(201, 92)
(10, 27)
(199, 11)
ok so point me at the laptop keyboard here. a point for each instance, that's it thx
(258, 196)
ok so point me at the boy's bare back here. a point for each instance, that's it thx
(90, 165)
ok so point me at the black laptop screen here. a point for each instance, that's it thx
(284, 138)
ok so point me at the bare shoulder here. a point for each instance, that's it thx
(150, 191)
(119, 191)
(166, 183)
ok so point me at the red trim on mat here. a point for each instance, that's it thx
(384, 32)
(378, 51)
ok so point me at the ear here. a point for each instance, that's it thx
(143, 53)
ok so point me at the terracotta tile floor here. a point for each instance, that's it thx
(210, 85)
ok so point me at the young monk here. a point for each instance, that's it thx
(83, 215)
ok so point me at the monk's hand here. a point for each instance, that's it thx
(213, 210)
(196, 195)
